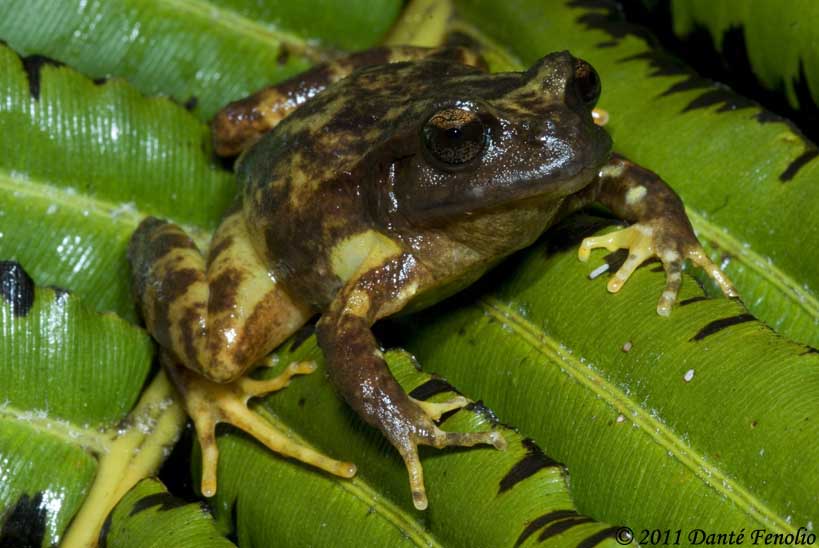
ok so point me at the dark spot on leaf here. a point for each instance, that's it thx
(25, 524)
(165, 501)
(233, 534)
(191, 103)
(482, 410)
(598, 537)
(562, 526)
(175, 471)
(33, 65)
(719, 95)
(433, 386)
(533, 461)
(304, 333)
(102, 539)
(60, 293)
(688, 84)
(662, 64)
(808, 109)
(99, 81)
(302, 401)
(16, 287)
(693, 300)
(608, 44)
(607, 16)
(798, 163)
(718, 325)
(730, 64)
(767, 117)
(543, 521)
(283, 55)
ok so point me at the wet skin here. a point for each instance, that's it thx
(381, 184)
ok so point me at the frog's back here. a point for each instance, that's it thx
(332, 133)
(303, 182)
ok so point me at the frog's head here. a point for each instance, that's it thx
(492, 140)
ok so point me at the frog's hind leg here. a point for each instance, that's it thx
(209, 403)
(214, 320)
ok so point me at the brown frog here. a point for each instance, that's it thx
(380, 184)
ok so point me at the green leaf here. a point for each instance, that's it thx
(747, 185)
(81, 164)
(202, 53)
(148, 516)
(706, 419)
(515, 486)
(45, 177)
(780, 38)
(746, 177)
(67, 374)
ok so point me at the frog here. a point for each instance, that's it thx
(376, 185)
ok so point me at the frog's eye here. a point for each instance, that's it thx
(454, 136)
(586, 82)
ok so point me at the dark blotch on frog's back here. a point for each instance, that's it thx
(223, 290)
(16, 287)
(339, 128)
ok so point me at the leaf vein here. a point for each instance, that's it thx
(86, 438)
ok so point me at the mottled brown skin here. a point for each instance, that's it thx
(385, 191)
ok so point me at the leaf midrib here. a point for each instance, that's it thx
(126, 218)
(363, 491)
(64, 430)
(659, 433)
(239, 24)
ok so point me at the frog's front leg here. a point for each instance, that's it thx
(214, 321)
(661, 228)
(357, 368)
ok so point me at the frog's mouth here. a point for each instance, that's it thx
(520, 194)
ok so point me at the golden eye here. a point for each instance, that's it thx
(454, 136)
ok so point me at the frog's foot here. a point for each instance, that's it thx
(647, 240)
(421, 430)
(209, 403)
(434, 410)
